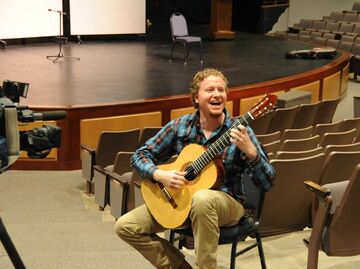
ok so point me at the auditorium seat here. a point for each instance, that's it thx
(110, 142)
(330, 27)
(334, 43)
(119, 180)
(349, 17)
(356, 7)
(288, 195)
(269, 138)
(297, 133)
(146, 133)
(351, 123)
(337, 221)
(115, 142)
(261, 125)
(343, 148)
(298, 154)
(327, 110)
(317, 25)
(338, 138)
(322, 128)
(334, 16)
(348, 38)
(315, 34)
(303, 24)
(345, 28)
(300, 144)
(283, 118)
(338, 166)
(345, 45)
(272, 147)
(306, 115)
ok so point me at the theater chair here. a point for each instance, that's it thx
(336, 229)
(119, 179)
(180, 34)
(247, 226)
(110, 143)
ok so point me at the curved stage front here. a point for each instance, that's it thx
(129, 83)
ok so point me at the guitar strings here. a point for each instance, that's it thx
(215, 148)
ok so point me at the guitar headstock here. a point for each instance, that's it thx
(264, 106)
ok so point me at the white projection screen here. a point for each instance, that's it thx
(29, 18)
(102, 17)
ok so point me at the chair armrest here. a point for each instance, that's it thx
(100, 169)
(87, 148)
(117, 177)
(317, 189)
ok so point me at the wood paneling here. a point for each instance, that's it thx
(331, 86)
(313, 87)
(91, 129)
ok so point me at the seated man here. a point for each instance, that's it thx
(210, 208)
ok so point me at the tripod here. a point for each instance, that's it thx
(54, 58)
(10, 248)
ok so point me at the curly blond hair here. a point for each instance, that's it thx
(199, 77)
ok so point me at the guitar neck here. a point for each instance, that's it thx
(215, 148)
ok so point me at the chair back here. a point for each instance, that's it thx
(322, 128)
(346, 148)
(338, 138)
(269, 138)
(286, 206)
(306, 115)
(298, 154)
(147, 133)
(300, 144)
(283, 118)
(272, 147)
(338, 166)
(178, 25)
(111, 142)
(297, 133)
(261, 125)
(327, 110)
(348, 124)
(342, 238)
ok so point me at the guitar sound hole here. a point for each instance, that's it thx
(190, 175)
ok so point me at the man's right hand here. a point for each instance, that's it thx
(172, 179)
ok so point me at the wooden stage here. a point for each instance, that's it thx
(131, 76)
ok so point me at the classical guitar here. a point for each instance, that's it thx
(171, 207)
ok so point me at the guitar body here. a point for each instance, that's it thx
(161, 209)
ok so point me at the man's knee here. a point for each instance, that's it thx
(122, 228)
(201, 200)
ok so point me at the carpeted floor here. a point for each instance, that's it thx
(53, 224)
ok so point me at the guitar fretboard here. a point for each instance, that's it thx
(215, 148)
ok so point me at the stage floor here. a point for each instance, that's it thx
(132, 68)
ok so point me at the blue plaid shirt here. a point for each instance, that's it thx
(178, 133)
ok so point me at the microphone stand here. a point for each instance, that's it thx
(54, 58)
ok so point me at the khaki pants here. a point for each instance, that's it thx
(209, 210)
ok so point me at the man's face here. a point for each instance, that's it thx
(212, 96)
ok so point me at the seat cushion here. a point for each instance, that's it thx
(189, 39)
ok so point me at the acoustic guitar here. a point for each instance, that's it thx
(170, 207)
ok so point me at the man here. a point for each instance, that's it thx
(209, 208)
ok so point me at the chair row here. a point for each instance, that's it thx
(313, 142)
(109, 144)
(289, 197)
(306, 132)
(295, 117)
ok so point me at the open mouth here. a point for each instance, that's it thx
(215, 103)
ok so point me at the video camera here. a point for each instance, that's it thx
(37, 142)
